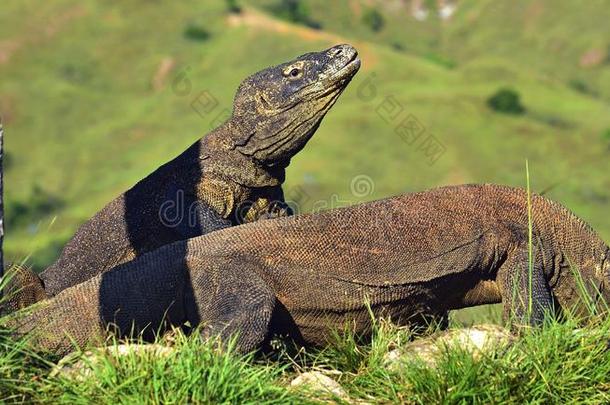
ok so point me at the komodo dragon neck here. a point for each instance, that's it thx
(219, 158)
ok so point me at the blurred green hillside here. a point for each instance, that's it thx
(94, 95)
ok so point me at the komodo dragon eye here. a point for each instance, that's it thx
(293, 72)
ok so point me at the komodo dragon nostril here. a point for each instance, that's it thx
(337, 52)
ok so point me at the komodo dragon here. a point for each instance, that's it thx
(301, 276)
(232, 175)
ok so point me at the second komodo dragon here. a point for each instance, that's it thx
(232, 175)
(417, 254)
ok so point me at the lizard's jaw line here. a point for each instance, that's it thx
(342, 76)
(321, 90)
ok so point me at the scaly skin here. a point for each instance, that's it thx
(407, 256)
(22, 286)
(231, 176)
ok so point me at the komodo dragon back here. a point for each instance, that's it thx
(231, 176)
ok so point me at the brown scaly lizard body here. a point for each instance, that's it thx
(231, 176)
(418, 254)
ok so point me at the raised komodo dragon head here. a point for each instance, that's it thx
(278, 109)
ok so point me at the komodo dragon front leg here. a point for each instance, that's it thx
(525, 292)
(221, 296)
(207, 209)
(218, 204)
(264, 204)
(228, 301)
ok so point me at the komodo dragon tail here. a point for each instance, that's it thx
(21, 287)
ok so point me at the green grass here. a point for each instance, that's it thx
(557, 364)
(197, 372)
(530, 244)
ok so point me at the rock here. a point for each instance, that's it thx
(446, 9)
(477, 340)
(78, 366)
(318, 383)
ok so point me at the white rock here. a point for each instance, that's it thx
(420, 14)
(476, 340)
(447, 10)
(318, 383)
(79, 366)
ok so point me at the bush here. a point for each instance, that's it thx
(582, 87)
(606, 135)
(373, 19)
(233, 7)
(40, 204)
(506, 101)
(196, 33)
(398, 47)
(295, 11)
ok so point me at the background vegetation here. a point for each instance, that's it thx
(95, 95)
